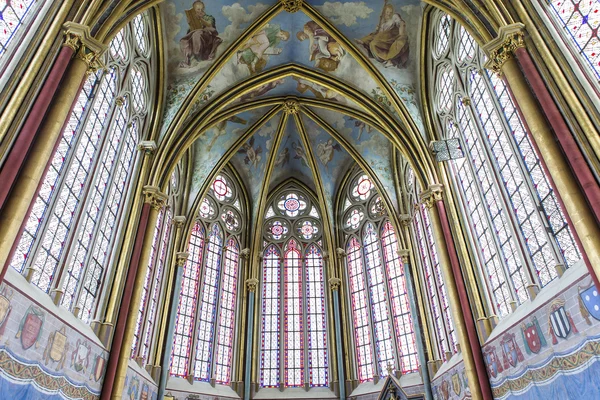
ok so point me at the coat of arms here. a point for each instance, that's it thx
(559, 321)
(5, 307)
(80, 359)
(56, 348)
(589, 303)
(99, 365)
(532, 336)
(456, 383)
(30, 328)
(445, 390)
(492, 361)
(511, 353)
(145, 392)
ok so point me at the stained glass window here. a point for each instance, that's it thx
(383, 329)
(16, 16)
(580, 20)
(293, 325)
(81, 201)
(518, 227)
(207, 304)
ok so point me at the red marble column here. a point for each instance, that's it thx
(27, 134)
(119, 332)
(562, 132)
(480, 367)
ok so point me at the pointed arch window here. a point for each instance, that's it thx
(519, 231)
(294, 347)
(72, 231)
(205, 334)
(383, 329)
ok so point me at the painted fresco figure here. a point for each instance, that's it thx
(253, 52)
(389, 43)
(324, 50)
(202, 40)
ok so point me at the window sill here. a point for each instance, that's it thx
(182, 385)
(295, 393)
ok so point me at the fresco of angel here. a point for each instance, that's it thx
(388, 44)
(320, 92)
(264, 43)
(324, 50)
(202, 38)
(300, 153)
(325, 151)
(283, 158)
(253, 156)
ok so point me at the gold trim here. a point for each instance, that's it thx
(502, 48)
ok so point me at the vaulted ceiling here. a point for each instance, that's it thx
(349, 69)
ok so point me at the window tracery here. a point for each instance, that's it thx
(505, 191)
(69, 237)
(293, 347)
(16, 17)
(204, 334)
(383, 330)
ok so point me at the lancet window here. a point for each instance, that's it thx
(72, 233)
(383, 328)
(205, 332)
(294, 345)
(519, 230)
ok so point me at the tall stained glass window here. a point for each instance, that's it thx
(383, 329)
(294, 348)
(71, 232)
(519, 230)
(204, 330)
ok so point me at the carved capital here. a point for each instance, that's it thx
(291, 106)
(86, 47)
(154, 197)
(335, 283)
(502, 48)
(179, 221)
(251, 284)
(404, 255)
(181, 258)
(245, 253)
(405, 220)
(292, 6)
(147, 146)
(432, 195)
(340, 253)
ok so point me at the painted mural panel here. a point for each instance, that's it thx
(43, 354)
(138, 386)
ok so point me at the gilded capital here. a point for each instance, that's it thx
(85, 46)
(154, 197)
(291, 6)
(179, 221)
(502, 48)
(251, 284)
(432, 195)
(335, 283)
(340, 253)
(181, 258)
(291, 106)
(245, 253)
(404, 255)
(406, 220)
(147, 146)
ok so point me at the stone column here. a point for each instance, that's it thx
(334, 285)
(457, 294)
(572, 183)
(120, 351)
(25, 183)
(251, 286)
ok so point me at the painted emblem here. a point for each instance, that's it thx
(56, 348)
(532, 336)
(5, 307)
(465, 381)
(589, 303)
(492, 361)
(445, 389)
(99, 365)
(511, 353)
(145, 389)
(559, 321)
(456, 384)
(80, 359)
(133, 388)
(30, 328)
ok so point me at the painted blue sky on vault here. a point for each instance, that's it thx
(211, 146)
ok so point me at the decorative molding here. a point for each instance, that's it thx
(86, 47)
(404, 255)
(245, 253)
(181, 258)
(251, 284)
(154, 197)
(179, 221)
(340, 253)
(432, 195)
(502, 48)
(291, 106)
(291, 6)
(405, 220)
(147, 146)
(335, 283)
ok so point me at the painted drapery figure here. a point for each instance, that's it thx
(389, 43)
(202, 40)
(324, 50)
(253, 53)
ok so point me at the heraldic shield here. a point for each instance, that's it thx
(533, 337)
(560, 321)
(31, 327)
(591, 301)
